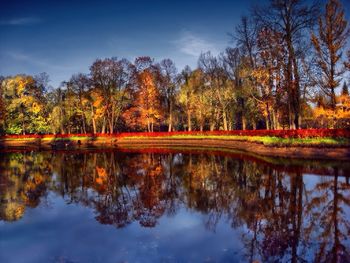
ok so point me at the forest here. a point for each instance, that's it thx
(287, 68)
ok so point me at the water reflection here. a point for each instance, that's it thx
(285, 214)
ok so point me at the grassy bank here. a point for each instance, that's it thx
(296, 146)
(265, 140)
(276, 138)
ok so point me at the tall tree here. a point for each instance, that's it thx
(291, 18)
(219, 89)
(329, 44)
(111, 76)
(147, 100)
(246, 38)
(186, 96)
(268, 76)
(57, 111)
(80, 85)
(167, 79)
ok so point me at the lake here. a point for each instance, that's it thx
(171, 205)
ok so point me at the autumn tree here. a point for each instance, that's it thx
(167, 79)
(291, 18)
(80, 85)
(148, 100)
(57, 118)
(268, 76)
(194, 95)
(219, 90)
(329, 44)
(186, 96)
(24, 102)
(239, 72)
(96, 108)
(111, 76)
(243, 59)
(67, 106)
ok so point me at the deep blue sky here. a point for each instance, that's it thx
(65, 37)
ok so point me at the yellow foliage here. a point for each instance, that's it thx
(342, 109)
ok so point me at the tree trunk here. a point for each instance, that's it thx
(296, 88)
(84, 125)
(110, 123)
(267, 123)
(170, 117)
(224, 117)
(267, 120)
(212, 125)
(244, 122)
(94, 125)
(333, 99)
(111, 126)
(103, 130)
(170, 127)
(189, 126)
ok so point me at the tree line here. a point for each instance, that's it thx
(287, 70)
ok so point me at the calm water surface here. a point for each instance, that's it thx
(177, 206)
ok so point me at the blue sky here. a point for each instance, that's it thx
(65, 37)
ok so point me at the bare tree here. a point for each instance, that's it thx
(246, 36)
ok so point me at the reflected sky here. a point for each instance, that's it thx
(171, 207)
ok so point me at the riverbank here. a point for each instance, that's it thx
(308, 144)
(308, 151)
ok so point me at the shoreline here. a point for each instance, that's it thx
(302, 152)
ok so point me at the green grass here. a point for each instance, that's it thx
(266, 140)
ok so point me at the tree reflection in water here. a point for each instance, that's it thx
(284, 218)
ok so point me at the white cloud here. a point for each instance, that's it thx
(193, 45)
(21, 21)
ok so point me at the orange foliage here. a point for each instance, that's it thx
(145, 111)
